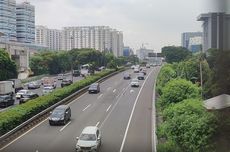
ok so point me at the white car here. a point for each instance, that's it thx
(135, 83)
(133, 67)
(20, 93)
(136, 70)
(89, 140)
(47, 90)
(60, 76)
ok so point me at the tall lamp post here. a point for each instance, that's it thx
(71, 58)
(201, 71)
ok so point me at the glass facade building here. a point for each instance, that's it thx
(25, 15)
(8, 20)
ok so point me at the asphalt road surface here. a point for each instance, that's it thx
(39, 90)
(123, 114)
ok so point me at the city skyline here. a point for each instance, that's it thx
(151, 22)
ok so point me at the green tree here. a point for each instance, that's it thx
(189, 125)
(8, 68)
(175, 54)
(177, 90)
(190, 69)
(37, 65)
(166, 74)
(219, 82)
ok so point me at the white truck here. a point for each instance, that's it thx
(6, 88)
(17, 84)
(6, 93)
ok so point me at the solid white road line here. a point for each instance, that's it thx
(114, 90)
(108, 108)
(64, 126)
(23, 135)
(99, 96)
(97, 123)
(86, 107)
(130, 118)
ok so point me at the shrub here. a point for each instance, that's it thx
(178, 90)
(168, 146)
(13, 117)
(166, 74)
(189, 125)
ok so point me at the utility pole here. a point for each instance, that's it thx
(201, 75)
(71, 58)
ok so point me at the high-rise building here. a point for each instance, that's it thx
(120, 44)
(25, 15)
(54, 39)
(101, 38)
(216, 31)
(195, 44)
(185, 38)
(51, 38)
(41, 35)
(8, 20)
(127, 51)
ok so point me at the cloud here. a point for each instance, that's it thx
(157, 22)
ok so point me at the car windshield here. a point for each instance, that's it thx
(93, 86)
(22, 91)
(58, 112)
(88, 137)
(26, 96)
(134, 80)
(47, 88)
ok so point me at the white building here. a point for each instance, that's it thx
(101, 38)
(41, 37)
(50, 38)
(143, 53)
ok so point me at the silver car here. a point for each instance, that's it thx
(47, 90)
(89, 140)
(135, 83)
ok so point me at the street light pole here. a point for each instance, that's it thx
(71, 58)
(201, 76)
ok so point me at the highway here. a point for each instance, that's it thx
(39, 90)
(123, 114)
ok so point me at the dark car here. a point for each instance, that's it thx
(66, 82)
(141, 76)
(60, 115)
(127, 76)
(144, 71)
(76, 73)
(94, 88)
(27, 97)
(6, 100)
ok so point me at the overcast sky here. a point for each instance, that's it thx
(156, 23)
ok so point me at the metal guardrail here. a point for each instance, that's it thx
(65, 100)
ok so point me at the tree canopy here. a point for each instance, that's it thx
(175, 54)
(8, 68)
